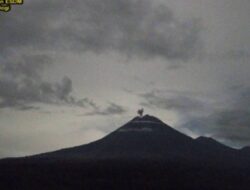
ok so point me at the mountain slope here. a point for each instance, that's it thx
(145, 137)
(145, 153)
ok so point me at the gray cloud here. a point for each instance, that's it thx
(132, 27)
(231, 127)
(112, 109)
(180, 103)
(85, 102)
(225, 120)
(22, 84)
(230, 123)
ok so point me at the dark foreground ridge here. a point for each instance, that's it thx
(145, 153)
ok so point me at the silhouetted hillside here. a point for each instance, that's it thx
(145, 153)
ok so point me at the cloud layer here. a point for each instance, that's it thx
(226, 120)
(230, 123)
(180, 103)
(22, 84)
(112, 109)
(132, 27)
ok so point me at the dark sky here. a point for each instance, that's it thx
(72, 71)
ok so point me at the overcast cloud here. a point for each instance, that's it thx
(132, 27)
(230, 123)
(177, 102)
(112, 109)
(22, 84)
(227, 120)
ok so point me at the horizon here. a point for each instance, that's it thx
(74, 72)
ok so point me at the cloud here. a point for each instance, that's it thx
(231, 127)
(22, 84)
(131, 27)
(229, 123)
(180, 103)
(112, 109)
(85, 103)
(226, 120)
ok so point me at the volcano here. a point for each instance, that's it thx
(145, 153)
(141, 138)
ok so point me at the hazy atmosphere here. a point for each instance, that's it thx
(73, 71)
